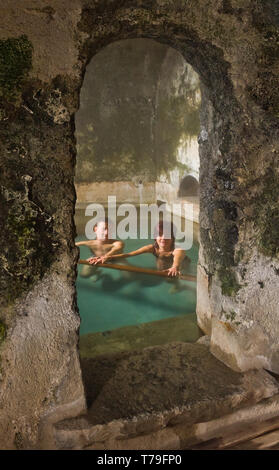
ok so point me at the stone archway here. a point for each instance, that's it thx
(189, 186)
(233, 48)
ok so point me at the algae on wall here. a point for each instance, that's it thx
(3, 331)
(15, 63)
(29, 232)
(266, 222)
(28, 245)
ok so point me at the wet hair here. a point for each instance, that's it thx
(106, 220)
(159, 230)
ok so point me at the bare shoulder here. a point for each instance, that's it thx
(92, 243)
(118, 242)
(179, 251)
(149, 248)
(85, 242)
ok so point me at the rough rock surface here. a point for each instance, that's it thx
(44, 49)
(162, 385)
(151, 381)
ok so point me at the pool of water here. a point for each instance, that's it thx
(117, 299)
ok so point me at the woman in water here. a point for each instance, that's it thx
(169, 258)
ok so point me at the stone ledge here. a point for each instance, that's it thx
(182, 328)
(161, 392)
(183, 436)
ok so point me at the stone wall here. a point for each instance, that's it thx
(138, 121)
(44, 49)
(124, 191)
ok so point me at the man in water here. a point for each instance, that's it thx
(100, 247)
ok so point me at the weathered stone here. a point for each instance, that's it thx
(152, 380)
(45, 330)
(205, 340)
(179, 436)
(235, 53)
(162, 386)
(203, 301)
(124, 191)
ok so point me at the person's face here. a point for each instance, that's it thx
(164, 243)
(101, 231)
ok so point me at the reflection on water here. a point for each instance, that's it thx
(112, 299)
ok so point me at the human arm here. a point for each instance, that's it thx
(143, 249)
(117, 247)
(178, 257)
(83, 243)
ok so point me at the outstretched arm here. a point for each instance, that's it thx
(84, 242)
(117, 247)
(178, 257)
(107, 257)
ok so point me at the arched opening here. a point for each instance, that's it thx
(188, 187)
(45, 53)
(137, 129)
(217, 104)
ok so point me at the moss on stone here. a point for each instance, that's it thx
(3, 331)
(29, 250)
(239, 255)
(265, 91)
(266, 220)
(19, 441)
(229, 284)
(24, 230)
(220, 245)
(15, 63)
(230, 316)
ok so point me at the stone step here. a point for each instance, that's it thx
(245, 435)
(264, 442)
(170, 396)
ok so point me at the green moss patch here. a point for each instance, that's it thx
(15, 63)
(28, 250)
(3, 331)
(221, 245)
(266, 220)
(229, 284)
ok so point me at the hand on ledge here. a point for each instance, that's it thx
(173, 271)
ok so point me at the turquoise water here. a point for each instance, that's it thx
(119, 298)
